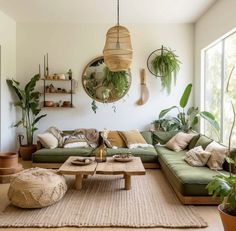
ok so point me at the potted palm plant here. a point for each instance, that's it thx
(28, 102)
(225, 185)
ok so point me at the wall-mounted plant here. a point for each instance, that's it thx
(103, 85)
(164, 63)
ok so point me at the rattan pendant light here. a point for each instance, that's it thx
(118, 49)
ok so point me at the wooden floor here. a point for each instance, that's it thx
(209, 213)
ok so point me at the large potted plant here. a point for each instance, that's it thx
(225, 185)
(185, 119)
(28, 102)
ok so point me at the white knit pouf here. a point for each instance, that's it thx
(36, 188)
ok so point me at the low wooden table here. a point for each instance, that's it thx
(79, 171)
(110, 167)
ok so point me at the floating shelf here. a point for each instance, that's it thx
(56, 79)
(67, 93)
(59, 107)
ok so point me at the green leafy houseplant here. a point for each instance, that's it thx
(166, 65)
(115, 85)
(28, 102)
(186, 120)
(225, 185)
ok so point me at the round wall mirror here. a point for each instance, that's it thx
(103, 85)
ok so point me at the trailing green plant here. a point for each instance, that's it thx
(188, 119)
(225, 185)
(166, 65)
(115, 85)
(28, 102)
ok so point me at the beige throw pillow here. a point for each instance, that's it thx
(218, 154)
(134, 139)
(71, 141)
(48, 140)
(197, 157)
(179, 142)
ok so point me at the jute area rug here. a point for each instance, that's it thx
(103, 203)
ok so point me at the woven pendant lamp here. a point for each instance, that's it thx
(118, 51)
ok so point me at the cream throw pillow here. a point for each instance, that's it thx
(48, 140)
(134, 139)
(179, 142)
(197, 157)
(218, 154)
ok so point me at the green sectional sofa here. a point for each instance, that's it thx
(53, 158)
(188, 182)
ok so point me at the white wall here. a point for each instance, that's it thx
(8, 69)
(74, 45)
(217, 21)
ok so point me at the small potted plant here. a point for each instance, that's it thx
(224, 185)
(28, 102)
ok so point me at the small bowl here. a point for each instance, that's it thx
(61, 76)
(49, 103)
(66, 104)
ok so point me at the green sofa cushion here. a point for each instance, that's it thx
(147, 155)
(190, 181)
(193, 141)
(162, 137)
(147, 135)
(59, 155)
(203, 141)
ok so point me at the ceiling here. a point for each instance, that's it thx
(104, 11)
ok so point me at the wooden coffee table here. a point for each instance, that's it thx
(79, 171)
(110, 167)
(127, 169)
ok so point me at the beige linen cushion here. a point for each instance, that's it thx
(36, 188)
(218, 154)
(134, 139)
(48, 140)
(197, 157)
(71, 141)
(179, 142)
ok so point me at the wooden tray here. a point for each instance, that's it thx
(121, 158)
(81, 162)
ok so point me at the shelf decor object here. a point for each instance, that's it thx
(164, 63)
(118, 51)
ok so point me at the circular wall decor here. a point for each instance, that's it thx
(103, 85)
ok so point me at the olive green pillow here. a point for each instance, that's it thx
(203, 141)
(162, 137)
(193, 141)
(147, 135)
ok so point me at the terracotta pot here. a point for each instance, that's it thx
(229, 221)
(9, 171)
(26, 151)
(8, 160)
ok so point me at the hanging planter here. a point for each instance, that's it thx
(118, 51)
(164, 63)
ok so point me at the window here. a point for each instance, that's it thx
(219, 61)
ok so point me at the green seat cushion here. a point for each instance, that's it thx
(147, 135)
(162, 137)
(203, 141)
(189, 181)
(147, 155)
(59, 155)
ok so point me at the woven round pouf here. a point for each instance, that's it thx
(36, 188)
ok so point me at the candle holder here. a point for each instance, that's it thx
(101, 153)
